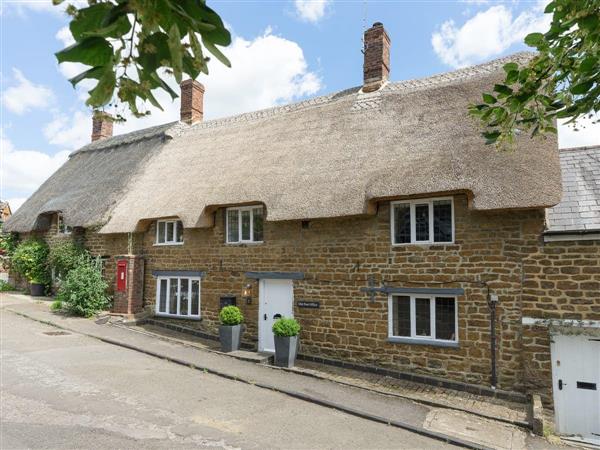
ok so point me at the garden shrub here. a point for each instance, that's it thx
(5, 287)
(231, 315)
(63, 257)
(56, 305)
(83, 291)
(30, 259)
(286, 326)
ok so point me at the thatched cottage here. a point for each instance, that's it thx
(376, 216)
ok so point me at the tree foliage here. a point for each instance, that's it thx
(30, 260)
(562, 81)
(130, 45)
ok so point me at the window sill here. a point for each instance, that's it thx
(423, 244)
(168, 244)
(240, 244)
(170, 316)
(417, 341)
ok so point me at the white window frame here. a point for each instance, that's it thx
(178, 314)
(173, 242)
(67, 230)
(413, 322)
(239, 210)
(413, 234)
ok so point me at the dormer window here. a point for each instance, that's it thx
(61, 227)
(169, 232)
(423, 221)
(244, 225)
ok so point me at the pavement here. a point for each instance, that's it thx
(265, 407)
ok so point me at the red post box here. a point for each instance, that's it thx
(122, 275)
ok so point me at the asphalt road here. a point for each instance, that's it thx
(70, 391)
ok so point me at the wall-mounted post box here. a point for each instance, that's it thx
(121, 275)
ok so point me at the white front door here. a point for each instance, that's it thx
(576, 385)
(276, 299)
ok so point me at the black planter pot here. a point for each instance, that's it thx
(286, 349)
(230, 337)
(37, 290)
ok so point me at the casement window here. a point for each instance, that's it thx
(169, 232)
(61, 227)
(427, 221)
(423, 318)
(244, 224)
(178, 297)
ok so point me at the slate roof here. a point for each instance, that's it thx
(579, 209)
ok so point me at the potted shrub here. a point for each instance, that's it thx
(30, 260)
(230, 331)
(286, 332)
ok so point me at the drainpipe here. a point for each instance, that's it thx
(492, 302)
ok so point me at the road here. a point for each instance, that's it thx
(71, 391)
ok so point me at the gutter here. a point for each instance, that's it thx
(571, 235)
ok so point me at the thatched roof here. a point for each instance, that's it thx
(87, 187)
(579, 209)
(329, 156)
(337, 155)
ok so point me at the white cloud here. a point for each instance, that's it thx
(69, 130)
(487, 34)
(25, 95)
(23, 7)
(24, 170)
(311, 10)
(266, 71)
(585, 133)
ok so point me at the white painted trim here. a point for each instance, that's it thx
(167, 312)
(412, 203)
(571, 237)
(413, 323)
(239, 210)
(174, 241)
(566, 322)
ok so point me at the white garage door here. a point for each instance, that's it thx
(576, 385)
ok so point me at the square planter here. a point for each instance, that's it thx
(286, 349)
(37, 290)
(230, 337)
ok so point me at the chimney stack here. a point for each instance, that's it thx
(376, 66)
(192, 101)
(102, 126)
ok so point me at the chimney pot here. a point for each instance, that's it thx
(102, 126)
(192, 101)
(376, 66)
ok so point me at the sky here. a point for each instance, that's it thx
(282, 51)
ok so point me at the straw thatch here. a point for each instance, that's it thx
(337, 155)
(88, 185)
(330, 156)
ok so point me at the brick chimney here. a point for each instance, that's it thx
(376, 66)
(192, 101)
(102, 126)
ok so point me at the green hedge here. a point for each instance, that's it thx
(30, 259)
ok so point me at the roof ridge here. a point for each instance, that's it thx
(580, 148)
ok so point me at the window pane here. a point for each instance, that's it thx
(184, 296)
(246, 225)
(173, 296)
(445, 318)
(232, 225)
(195, 297)
(401, 316)
(161, 233)
(402, 224)
(179, 231)
(258, 224)
(162, 300)
(170, 231)
(422, 317)
(442, 221)
(422, 222)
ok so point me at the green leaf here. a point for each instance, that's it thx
(491, 136)
(588, 64)
(93, 51)
(512, 77)
(503, 89)
(582, 88)
(103, 92)
(550, 7)
(215, 51)
(590, 22)
(534, 39)
(95, 73)
(509, 67)
(174, 42)
(489, 99)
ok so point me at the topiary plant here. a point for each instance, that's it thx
(30, 259)
(287, 327)
(83, 291)
(231, 315)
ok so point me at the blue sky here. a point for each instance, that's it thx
(283, 51)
